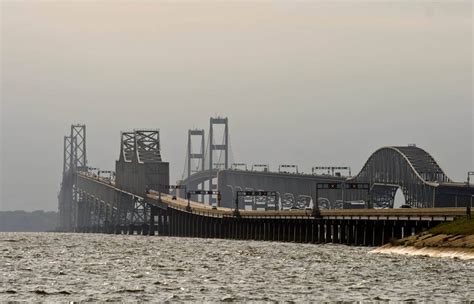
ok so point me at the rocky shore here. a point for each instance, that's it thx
(455, 240)
(427, 244)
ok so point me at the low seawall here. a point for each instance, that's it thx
(434, 245)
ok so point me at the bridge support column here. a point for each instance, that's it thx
(359, 233)
(378, 234)
(314, 231)
(242, 224)
(269, 230)
(144, 229)
(179, 223)
(176, 221)
(195, 226)
(306, 233)
(171, 222)
(153, 212)
(258, 230)
(230, 227)
(182, 223)
(369, 233)
(335, 232)
(166, 223)
(342, 230)
(418, 228)
(203, 226)
(215, 223)
(329, 227)
(293, 232)
(284, 230)
(210, 226)
(270, 225)
(349, 232)
(397, 230)
(289, 231)
(251, 228)
(410, 228)
(265, 230)
(387, 231)
(273, 227)
(228, 223)
(218, 227)
(322, 232)
(207, 226)
(256, 223)
(236, 228)
(160, 222)
(189, 225)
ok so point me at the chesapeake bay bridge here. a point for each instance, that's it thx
(217, 199)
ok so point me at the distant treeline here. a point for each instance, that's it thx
(22, 221)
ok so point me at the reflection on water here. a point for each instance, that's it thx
(95, 267)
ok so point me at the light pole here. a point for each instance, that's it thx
(188, 207)
(468, 204)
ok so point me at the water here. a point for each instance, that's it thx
(94, 267)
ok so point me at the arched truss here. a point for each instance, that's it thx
(410, 168)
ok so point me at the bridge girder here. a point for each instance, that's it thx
(411, 169)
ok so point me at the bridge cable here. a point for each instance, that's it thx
(221, 151)
(198, 165)
(207, 157)
(231, 154)
(185, 162)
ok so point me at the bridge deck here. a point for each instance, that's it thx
(376, 214)
(441, 214)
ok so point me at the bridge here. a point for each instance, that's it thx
(319, 208)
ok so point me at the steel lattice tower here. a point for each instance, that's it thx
(219, 147)
(74, 159)
(191, 155)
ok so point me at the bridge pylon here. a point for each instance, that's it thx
(191, 155)
(224, 146)
(74, 159)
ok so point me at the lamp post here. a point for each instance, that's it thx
(188, 207)
(469, 204)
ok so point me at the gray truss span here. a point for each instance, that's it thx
(411, 169)
(414, 171)
(140, 166)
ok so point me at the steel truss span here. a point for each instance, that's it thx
(410, 168)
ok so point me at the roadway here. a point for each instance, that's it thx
(419, 214)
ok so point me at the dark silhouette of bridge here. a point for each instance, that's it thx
(136, 196)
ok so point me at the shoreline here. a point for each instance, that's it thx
(433, 245)
(436, 252)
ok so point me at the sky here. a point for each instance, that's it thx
(302, 82)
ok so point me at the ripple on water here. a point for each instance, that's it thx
(95, 267)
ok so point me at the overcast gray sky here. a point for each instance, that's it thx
(301, 82)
